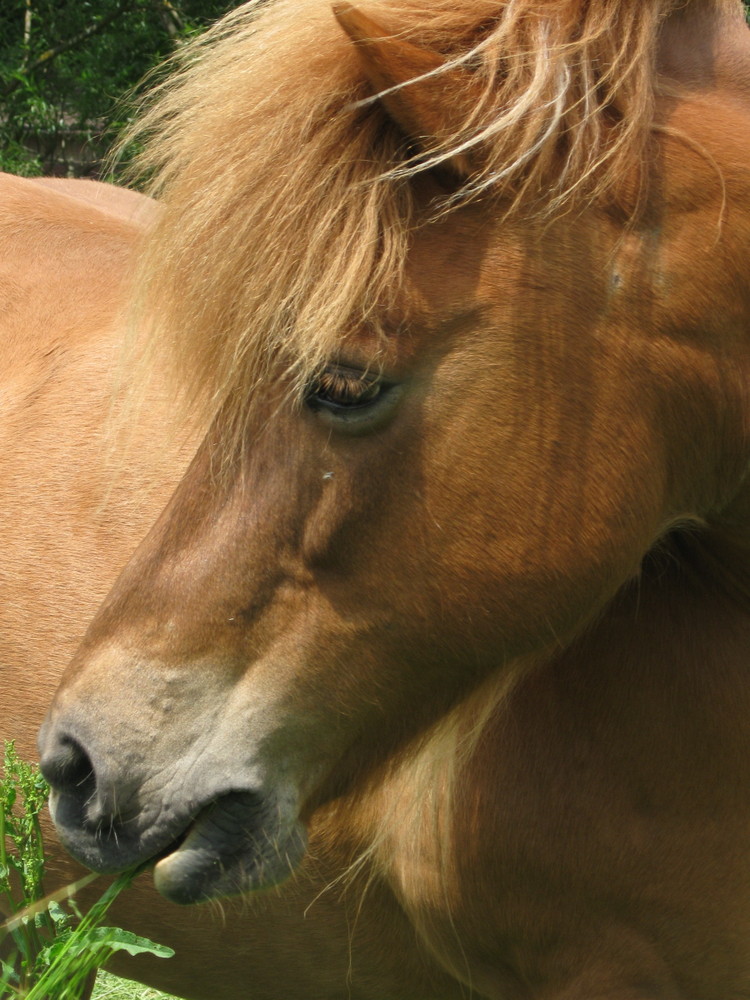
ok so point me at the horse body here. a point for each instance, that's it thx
(77, 506)
(69, 520)
(443, 630)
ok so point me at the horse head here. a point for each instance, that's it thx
(468, 323)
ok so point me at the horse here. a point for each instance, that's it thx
(384, 486)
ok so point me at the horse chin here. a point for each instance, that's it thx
(222, 854)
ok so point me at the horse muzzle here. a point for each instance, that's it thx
(218, 842)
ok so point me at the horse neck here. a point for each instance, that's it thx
(722, 550)
(705, 44)
(665, 668)
(656, 687)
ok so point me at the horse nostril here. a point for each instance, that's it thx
(68, 768)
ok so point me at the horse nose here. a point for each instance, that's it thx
(66, 765)
(83, 802)
(67, 768)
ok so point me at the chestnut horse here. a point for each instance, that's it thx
(436, 658)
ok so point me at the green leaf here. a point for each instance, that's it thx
(60, 918)
(117, 939)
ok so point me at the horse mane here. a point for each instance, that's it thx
(288, 192)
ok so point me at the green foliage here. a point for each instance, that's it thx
(109, 987)
(64, 64)
(54, 948)
(22, 796)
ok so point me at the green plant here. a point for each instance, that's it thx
(109, 987)
(65, 64)
(54, 948)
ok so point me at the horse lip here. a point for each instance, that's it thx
(229, 844)
(237, 843)
(109, 848)
(174, 845)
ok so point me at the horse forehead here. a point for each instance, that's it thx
(478, 261)
(456, 265)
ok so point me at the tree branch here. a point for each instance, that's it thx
(70, 43)
(169, 17)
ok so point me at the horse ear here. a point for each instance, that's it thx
(431, 109)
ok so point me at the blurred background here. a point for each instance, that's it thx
(65, 67)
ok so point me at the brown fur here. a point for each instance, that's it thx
(492, 654)
(562, 110)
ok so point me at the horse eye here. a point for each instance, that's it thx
(336, 388)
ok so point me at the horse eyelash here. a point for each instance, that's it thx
(343, 387)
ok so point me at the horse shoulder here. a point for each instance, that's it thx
(118, 201)
(62, 267)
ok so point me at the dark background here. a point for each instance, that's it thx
(65, 66)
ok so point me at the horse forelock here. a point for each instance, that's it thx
(288, 192)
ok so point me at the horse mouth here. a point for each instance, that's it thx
(235, 843)
(232, 847)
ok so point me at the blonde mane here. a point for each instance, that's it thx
(287, 191)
